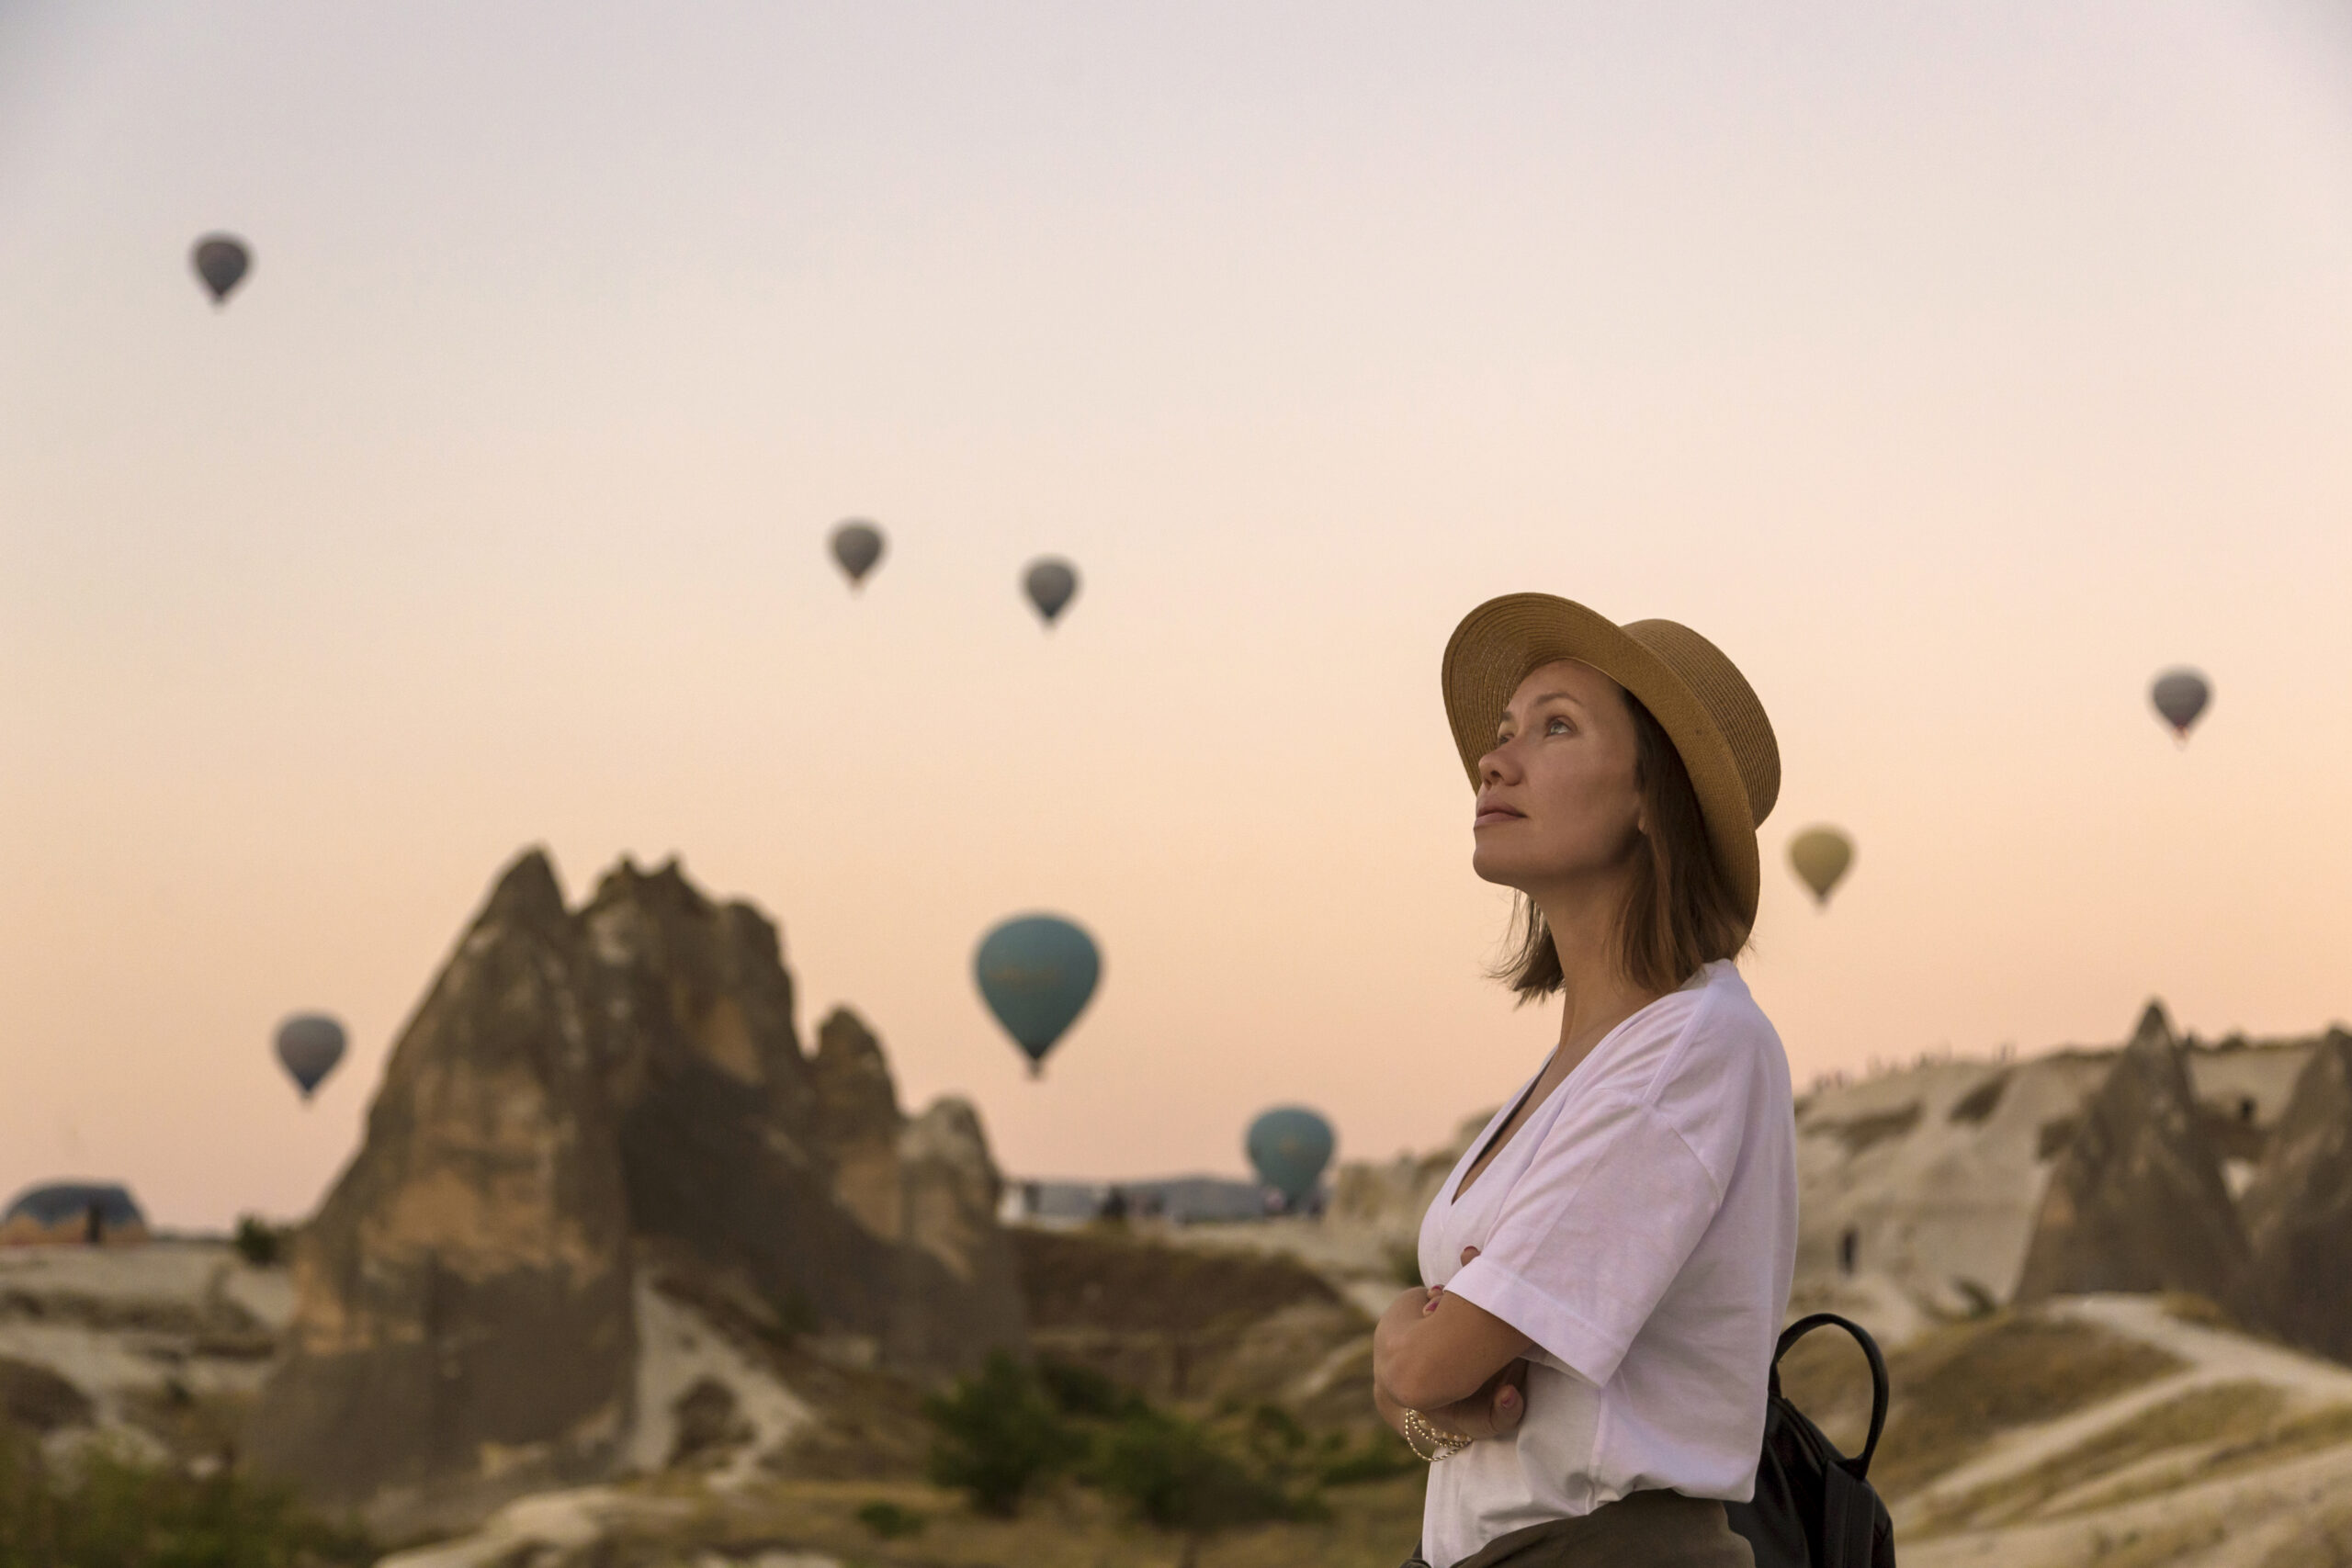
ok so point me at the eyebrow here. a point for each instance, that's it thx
(1534, 703)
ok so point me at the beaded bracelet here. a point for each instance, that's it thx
(1442, 1445)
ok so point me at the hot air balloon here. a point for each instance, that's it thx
(1289, 1146)
(2180, 696)
(222, 260)
(858, 546)
(308, 1045)
(1821, 856)
(1036, 973)
(1050, 584)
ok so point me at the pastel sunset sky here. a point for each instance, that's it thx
(1955, 368)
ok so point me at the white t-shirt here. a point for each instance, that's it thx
(1641, 1228)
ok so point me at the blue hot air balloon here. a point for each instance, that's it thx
(308, 1045)
(1290, 1145)
(1036, 973)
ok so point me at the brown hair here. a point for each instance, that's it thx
(1679, 910)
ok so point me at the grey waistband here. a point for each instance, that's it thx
(1647, 1530)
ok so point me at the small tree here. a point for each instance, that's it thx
(998, 1434)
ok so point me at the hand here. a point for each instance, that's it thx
(1437, 1293)
(1495, 1411)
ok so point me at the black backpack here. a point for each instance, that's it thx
(1812, 1507)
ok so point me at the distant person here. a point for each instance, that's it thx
(94, 1224)
(1115, 1207)
(1849, 1246)
(1608, 1265)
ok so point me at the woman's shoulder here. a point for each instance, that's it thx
(1707, 1037)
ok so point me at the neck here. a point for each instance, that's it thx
(1596, 993)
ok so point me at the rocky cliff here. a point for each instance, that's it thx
(2298, 1213)
(2137, 1202)
(586, 1101)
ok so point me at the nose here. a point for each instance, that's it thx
(1498, 766)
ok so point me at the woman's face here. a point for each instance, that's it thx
(1558, 802)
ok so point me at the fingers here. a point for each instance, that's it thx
(1495, 1411)
(1467, 1253)
(1509, 1407)
(1470, 1418)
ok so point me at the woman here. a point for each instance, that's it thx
(1609, 1263)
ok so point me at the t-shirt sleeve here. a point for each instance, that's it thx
(1593, 1233)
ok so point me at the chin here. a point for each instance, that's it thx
(1491, 864)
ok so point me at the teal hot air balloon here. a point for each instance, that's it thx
(1036, 973)
(1289, 1146)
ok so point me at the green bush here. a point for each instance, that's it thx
(1083, 1391)
(996, 1435)
(889, 1521)
(1381, 1455)
(113, 1513)
(1176, 1474)
(258, 1242)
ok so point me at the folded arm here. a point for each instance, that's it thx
(1456, 1364)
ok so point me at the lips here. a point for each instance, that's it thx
(1491, 812)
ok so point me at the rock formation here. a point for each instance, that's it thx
(465, 1290)
(2137, 1202)
(2298, 1213)
(583, 1100)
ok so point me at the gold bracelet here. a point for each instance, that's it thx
(1442, 1445)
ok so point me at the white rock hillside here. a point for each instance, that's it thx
(1918, 1188)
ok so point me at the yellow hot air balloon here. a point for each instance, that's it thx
(1821, 856)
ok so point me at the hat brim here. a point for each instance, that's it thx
(1504, 640)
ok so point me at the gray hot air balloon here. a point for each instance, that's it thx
(308, 1045)
(1051, 583)
(1820, 856)
(222, 261)
(858, 546)
(2180, 696)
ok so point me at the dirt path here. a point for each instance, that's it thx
(2242, 1513)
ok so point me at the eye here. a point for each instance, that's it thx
(1556, 724)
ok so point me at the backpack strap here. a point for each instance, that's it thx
(1858, 1466)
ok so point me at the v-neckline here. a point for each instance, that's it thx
(1490, 1151)
(1473, 1172)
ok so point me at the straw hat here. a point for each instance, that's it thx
(1699, 697)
